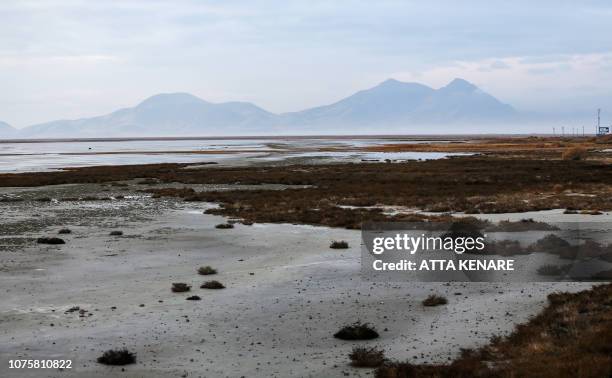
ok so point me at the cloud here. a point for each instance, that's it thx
(287, 55)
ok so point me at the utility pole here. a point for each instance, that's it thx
(598, 120)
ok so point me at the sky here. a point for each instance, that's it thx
(68, 59)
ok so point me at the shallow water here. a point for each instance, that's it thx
(45, 156)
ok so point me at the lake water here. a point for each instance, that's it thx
(45, 156)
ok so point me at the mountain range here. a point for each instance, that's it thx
(391, 106)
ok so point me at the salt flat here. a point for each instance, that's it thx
(286, 294)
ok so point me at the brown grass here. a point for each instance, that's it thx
(575, 153)
(571, 337)
(367, 357)
(475, 184)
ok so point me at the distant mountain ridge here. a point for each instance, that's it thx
(6, 130)
(392, 103)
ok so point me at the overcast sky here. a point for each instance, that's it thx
(63, 59)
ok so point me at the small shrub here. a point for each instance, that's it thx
(224, 226)
(434, 300)
(193, 298)
(207, 270)
(357, 331)
(180, 287)
(50, 241)
(117, 357)
(339, 244)
(574, 153)
(64, 231)
(367, 357)
(212, 285)
(116, 233)
(570, 211)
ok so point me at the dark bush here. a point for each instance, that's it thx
(117, 357)
(224, 226)
(206, 270)
(116, 233)
(46, 240)
(180, 287)
(356, 331)
(339, 244)
(193, 298)
(434, 300)
(64, 231)
(212, 285)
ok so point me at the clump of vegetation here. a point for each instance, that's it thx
(46, 240)
(224, 226)
(357, 331)
(367, 357)
(194, 298)
(571, 337)
(212, 285)
(180, 287)
(206, 270)
(339, 244)
(570, 211)
(435, 300)
(64, 231)
(117, 357)
(116, 233)
(574, 153)
(591, 212)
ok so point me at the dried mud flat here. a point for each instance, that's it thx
(286, 291)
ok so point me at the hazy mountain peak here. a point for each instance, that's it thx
(460, 85)
(178, 98)
(407, 107)
(6, 129)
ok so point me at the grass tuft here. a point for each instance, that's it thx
(117, 357)
(367, 357)
(212, 285)
(180, 287)
(339, 244)
(206, 270)
(357, 331)
(434, 300)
